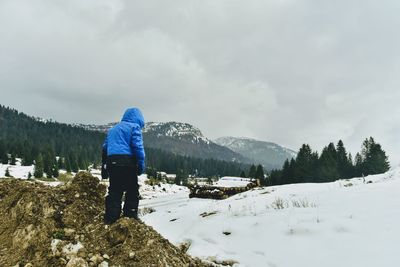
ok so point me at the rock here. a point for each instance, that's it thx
(131, 255)
(28, 265)
(77, 262)
(77, 195)
(105, 256)
(68, 232)
(150, 242)
(96, 259)
(103, 264)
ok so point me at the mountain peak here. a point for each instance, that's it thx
(177, 130)
(269, 154)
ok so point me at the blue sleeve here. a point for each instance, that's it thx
(138, 148)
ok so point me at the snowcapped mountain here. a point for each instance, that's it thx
(269, 154)
(178, 130)
(185, 139)
(96, 127)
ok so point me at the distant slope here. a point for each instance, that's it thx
(269, 154)
(185, 139)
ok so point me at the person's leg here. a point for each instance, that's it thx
(132, 194)
(114, 197)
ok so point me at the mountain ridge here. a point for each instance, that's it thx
(269, 154)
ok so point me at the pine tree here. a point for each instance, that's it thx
(38, 171)
(7, 173)
(343, 163)
(74, 163)
(13, 160)
(68, 165)
(243, 174)
(260, 174)
(29, 175)
(327, 166)
(3, 153)
(358, 165)
(252, 171)
(55, 171)
(304, 165)
(374, 158)
(60, 163)
(47, 164)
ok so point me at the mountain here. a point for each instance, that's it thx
(271, 155)
(74, 147)
(185, 139)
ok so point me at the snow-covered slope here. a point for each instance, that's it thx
(271, 155)
(185, 139)
(346, 223)
(176, 130)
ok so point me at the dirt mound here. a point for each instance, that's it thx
(62, 226)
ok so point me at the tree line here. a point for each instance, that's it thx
(53, 146)
(334, 163)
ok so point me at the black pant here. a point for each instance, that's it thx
(122, 179)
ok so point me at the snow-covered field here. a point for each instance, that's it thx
(16, 170)
(345, 223)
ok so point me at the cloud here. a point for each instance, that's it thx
(286, 71)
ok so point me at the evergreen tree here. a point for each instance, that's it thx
(343, 163)
(358, 165)
(304, 165)
(38, 171)
(29, 175)
(7, 173)
(60, 163)
(252, 171)
(68, 167)
(3, 153)
(328, 166)
(55, 171)
(260, 174)
(74, 163)
(13, 160)
(243, 174)
(374, 158)
(47, 164)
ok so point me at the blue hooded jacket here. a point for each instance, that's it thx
(125, 138)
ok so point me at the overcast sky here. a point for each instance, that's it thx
(286, 71)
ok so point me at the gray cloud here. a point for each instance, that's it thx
(286, 71)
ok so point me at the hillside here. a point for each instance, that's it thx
(62, 226)
(270, 155)
(74, 147)
(185, 139)
(344, 223)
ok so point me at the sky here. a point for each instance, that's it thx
(286, 71)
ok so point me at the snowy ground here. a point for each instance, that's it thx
(345, 223)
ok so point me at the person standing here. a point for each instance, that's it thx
(123, 159)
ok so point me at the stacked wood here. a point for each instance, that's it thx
(217, 192)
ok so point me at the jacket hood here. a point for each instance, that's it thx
(134, 115)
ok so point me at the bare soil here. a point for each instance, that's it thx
(62, 226)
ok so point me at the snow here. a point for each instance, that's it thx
(344, 223)
(232, 182)
(176, 129)
(17, 170)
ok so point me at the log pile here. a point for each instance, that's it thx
(217, 192)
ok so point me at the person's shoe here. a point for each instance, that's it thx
(132, 214)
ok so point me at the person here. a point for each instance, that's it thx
(123, 159)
